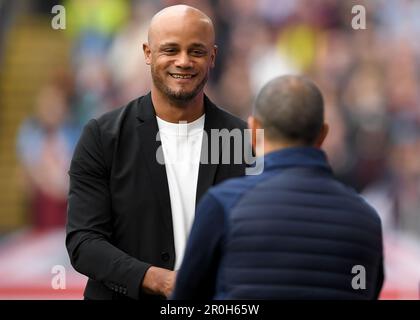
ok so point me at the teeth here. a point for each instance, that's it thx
(178, 76)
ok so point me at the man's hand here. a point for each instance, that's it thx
(159, 281)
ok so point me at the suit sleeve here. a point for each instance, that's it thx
(89, 221)
(196, 279)
(381, 272)
(380, 281)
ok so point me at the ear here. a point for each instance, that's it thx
(213, 56)
(253, 125)
(147, 53)
(322, 135)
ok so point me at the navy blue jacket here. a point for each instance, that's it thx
(292, 232)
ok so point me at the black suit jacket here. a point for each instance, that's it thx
(119, 213)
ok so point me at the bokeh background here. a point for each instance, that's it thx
(53, 81)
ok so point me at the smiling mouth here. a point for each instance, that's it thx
(182, 76)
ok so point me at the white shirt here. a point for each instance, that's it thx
(181, 145)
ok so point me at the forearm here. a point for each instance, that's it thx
(197, 276)
(94, 256)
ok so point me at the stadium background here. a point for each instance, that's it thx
(53, 81)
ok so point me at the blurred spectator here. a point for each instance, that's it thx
(93, 23)
(397, 193)
(125, 59)
(94, 94)
(45, 145)
(365, 109)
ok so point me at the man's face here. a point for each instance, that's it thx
(180, 53)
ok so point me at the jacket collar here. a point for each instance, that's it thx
(148, 129)
(297, 157)
(146, 111)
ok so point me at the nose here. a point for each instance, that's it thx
(183, 61)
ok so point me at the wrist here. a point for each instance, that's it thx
(150, 283)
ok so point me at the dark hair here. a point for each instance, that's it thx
(290, 108)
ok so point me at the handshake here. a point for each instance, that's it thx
(159, 281)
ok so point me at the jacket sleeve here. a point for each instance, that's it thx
(380, 281)
(196, 279)
(89, 221)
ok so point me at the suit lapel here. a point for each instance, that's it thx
(207, 171)
(147, 131)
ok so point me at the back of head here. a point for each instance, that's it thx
(290, 109)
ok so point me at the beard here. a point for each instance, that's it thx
(179, 96)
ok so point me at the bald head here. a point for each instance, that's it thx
(290, 109)
(181, 15)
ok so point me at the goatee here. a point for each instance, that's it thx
(179, 97)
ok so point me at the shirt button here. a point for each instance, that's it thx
(165, 256)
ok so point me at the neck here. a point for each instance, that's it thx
(173, 111)
(270, 146)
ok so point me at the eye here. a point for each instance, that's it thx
(169, 50)
(198, 53)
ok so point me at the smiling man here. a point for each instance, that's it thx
(181, 49)
(129, 216)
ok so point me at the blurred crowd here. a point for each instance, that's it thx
(369, 78)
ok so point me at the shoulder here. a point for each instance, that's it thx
(101, 133)
(369, 210)
(354, 200)
(351, 201)
(231, 191)
(114, 119)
